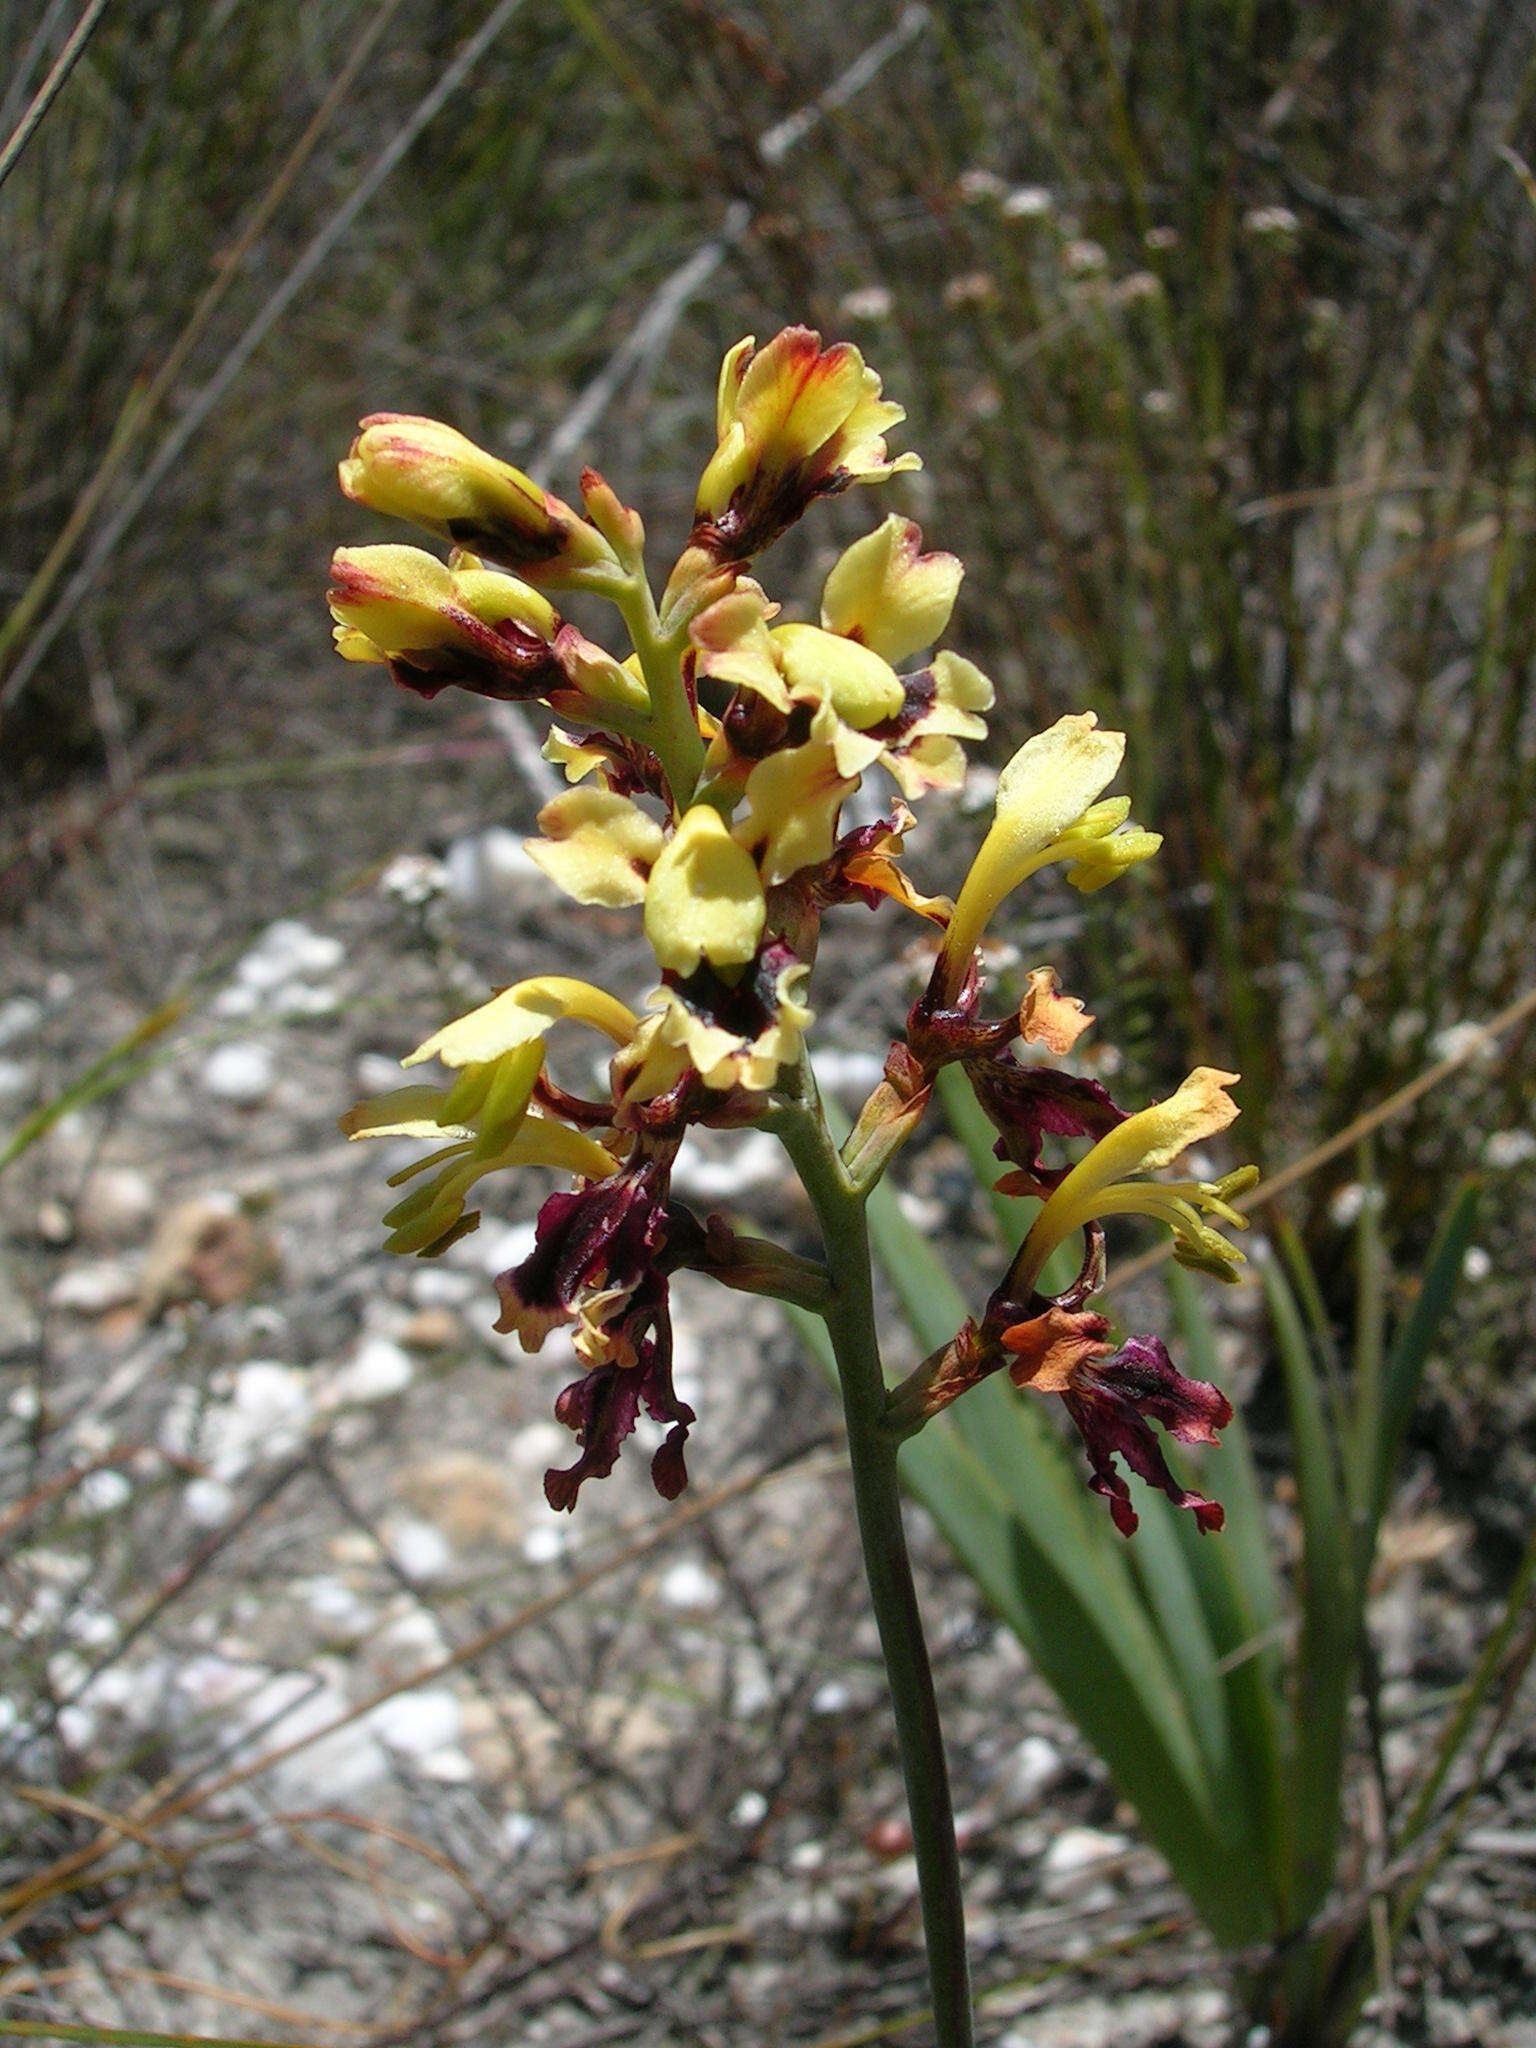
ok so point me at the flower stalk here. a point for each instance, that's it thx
(839, 1206)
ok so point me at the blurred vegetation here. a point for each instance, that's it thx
(1213, 320)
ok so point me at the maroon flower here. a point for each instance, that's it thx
(1113, 1397)
(602, 1407)
(1028, 1104)
(602, 1238)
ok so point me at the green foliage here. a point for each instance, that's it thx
(1217, 1687)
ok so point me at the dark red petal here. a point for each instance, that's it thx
(1111, 1404)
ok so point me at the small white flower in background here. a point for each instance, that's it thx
(1476, 1265)
(1159, 404)
(1459, 1041)
(1028, 202)
(1345, 1206)
(867, 302)
(1085, 258)
(1505, 1149)
(1271, 222)
(414, 879)
(977, 186)
(1161, 239)
(750, 1810)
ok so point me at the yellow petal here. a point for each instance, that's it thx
(704, 900)
(735, 645)
(402, 1113)
(597, 847)
(862, 688)
(885, 592)
(523, 1012)
(793, 799)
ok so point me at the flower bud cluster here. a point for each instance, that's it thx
(709, 765)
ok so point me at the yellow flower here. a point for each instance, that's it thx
(884, 601)
(704, 900)
(795, 422)
(1103, 1183)
(435, 624)
(430, 474)
(731, 1038)
(485, 1117)
(1046, 812)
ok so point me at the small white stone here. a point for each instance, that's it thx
(103, 1493)
(241, 1072)
(116, 1204)
(1476, 1264)
(538, 1446)
(1275, 222)
(19, 1019)
(750, 1810)
(421, 1549)
(493, 1247)
(752, 1159)
(1345, 1206)
(207, 1502)
(808, 1856)
(376, 1371)
(832, 1698)
(977, 185)
(518, 1832)
(376, 1073)
(867, 302)
(1465, 1041)
(687, 1586)
(420, 1722)
(545, 1545)
(450, 1766)
(16, 1079)
(77, 1726)
(1034, 1767)
(848, 1074)
(1076, 1850)
(25, 1404)
(414, 879)
(92, 1628)
(439, 1286)
(95, 1288)
(340, 1614)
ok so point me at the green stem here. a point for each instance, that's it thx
(850, 1320)
(673, 728)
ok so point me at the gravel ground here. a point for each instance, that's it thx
(390, 1750)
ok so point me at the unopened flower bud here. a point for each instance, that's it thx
(432, 475)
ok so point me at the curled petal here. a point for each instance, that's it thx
(1111, 1406)
(631, 1368)
(1047, 1017)
(524, 1012)
(1113, 1397)
(738, 1036)
(1027, 1105)
(593, 1240)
